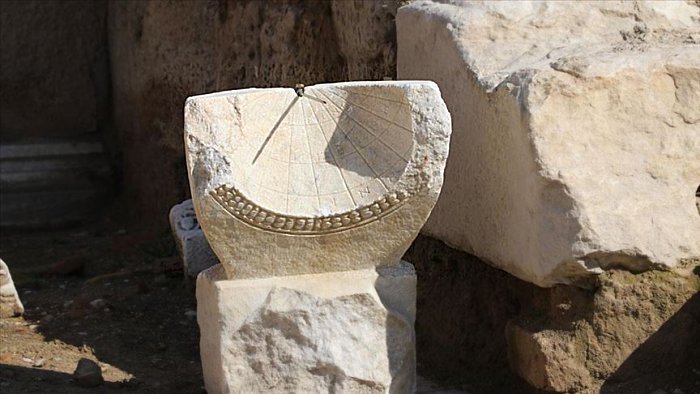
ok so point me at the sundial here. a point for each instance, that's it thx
(315, 178)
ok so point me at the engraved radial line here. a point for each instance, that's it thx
(376, 137)
(353, 144)
(289, 160)
(311, 160)
(328, 144)
(379, 116)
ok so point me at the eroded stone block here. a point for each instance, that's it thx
(577, 136)
(342, 332)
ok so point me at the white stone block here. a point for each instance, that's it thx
(576, 144)
(10, 304)
(194, 249)
(343, 332)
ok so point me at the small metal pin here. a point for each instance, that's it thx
(299, 90)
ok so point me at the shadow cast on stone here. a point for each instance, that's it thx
(668, 360)
(341, 145)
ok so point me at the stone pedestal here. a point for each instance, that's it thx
(343, 332)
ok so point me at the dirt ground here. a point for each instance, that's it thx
(104, 293)
(100, 293)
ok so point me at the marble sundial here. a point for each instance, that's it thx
(329, 177)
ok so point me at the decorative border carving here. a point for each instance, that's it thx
(241, 208)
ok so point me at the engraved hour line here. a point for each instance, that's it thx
(359, 153)
(377, 115)
(337, 165)
(279, 121)
(376, 137)
(311, 160)
(289, 160)
(373, 96)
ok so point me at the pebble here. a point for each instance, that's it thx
(98, 303)
(67, 303)
(27, 360)
(39, 363)
(87, 373)
(47, 319)
(191, 314)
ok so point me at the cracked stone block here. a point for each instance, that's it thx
(193, 246)
(576, 143)
(344, 332)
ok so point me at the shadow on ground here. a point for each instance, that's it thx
(108, 295)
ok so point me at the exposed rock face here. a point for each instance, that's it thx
(344, 332)
(162, 53)
(54, 77)
(577, 133)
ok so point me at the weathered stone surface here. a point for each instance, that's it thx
(341, 332)
(547, 360)
(631, 332)
(577, 142)
(161, 53)
(10, 304)
(366, 35)
(194, 249)
(54, 77)
(341, 178)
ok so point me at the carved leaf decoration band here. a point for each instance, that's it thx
(241, 208)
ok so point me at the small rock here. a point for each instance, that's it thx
(678, 391)
(191, 314)
(98, 303)
(39, 363)
(88, 373)
(67, 303)
(27, 360)
(47, 319)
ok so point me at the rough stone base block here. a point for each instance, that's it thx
(344, 332)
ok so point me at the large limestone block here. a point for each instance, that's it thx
(338, 177)
(577, 134)
(344, 332)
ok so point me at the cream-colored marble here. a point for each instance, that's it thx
(339, 178)
(343, 332)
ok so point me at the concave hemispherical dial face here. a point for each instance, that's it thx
(325, 152)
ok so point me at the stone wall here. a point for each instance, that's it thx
(163, 52)
(54, 77)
